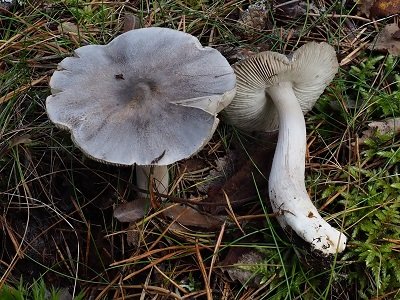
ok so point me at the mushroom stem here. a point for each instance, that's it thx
(160, 177)
(287, 190)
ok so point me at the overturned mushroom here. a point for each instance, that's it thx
(273, 90)
(149, 97)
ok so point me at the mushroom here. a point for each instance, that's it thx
(150, 97)
(274, 91)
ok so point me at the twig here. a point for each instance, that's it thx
(152, 289)
(203, 272)
(183, 290)
(105, 290)
(339, 16)
(231, 212)
(216, 249)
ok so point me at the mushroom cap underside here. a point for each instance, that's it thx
(150, 96)
(309, 69)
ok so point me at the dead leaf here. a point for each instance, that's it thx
(189, 216)
(379, 8)
(224, 168)
(384, 8)
(386, 40)
(390, 126)
(18, 140)
(64, 294)
(396, 35)
(240, 186)
(293, 9)
(192, 164)
(131, 22)
(132, 211)
(365, 6)
(68, 27)
(239, 263)
(241, 53)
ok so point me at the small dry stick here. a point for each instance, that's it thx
(203, 272)
(216, 249)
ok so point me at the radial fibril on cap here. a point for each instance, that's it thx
(133, 100)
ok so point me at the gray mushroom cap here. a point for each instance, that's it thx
(150, 96)
(309, 69)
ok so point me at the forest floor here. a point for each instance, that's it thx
(57, 206)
